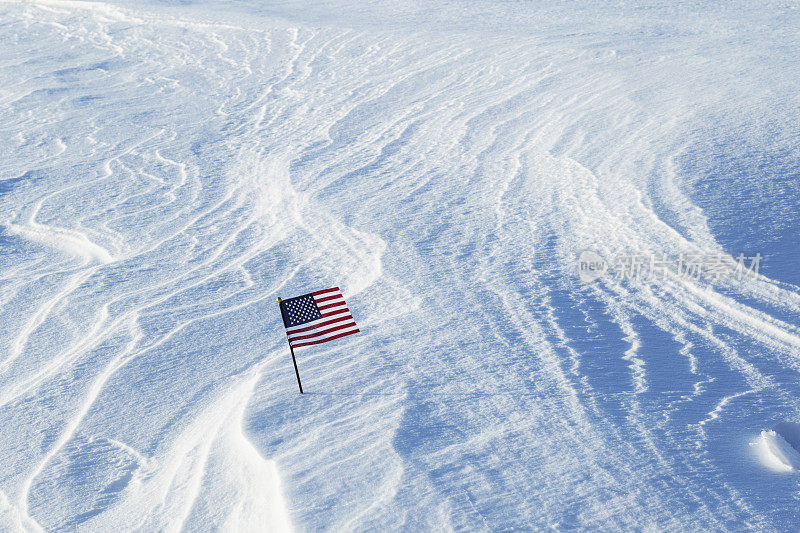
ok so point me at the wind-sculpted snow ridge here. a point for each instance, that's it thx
(169, 171)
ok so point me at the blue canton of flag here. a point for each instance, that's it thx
(300, 310)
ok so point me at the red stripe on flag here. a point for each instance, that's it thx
(328, 298)
(322, 332)
(337, 312)
(309, 343)
(323, 291)
(328, 306)
(320, 325)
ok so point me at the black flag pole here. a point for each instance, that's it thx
(296, 372)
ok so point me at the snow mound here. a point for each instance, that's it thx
(775, 452)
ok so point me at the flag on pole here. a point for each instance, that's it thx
(317, 317)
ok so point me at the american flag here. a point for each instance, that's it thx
(317, 317)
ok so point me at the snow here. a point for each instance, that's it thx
(171, 169)
(773, 450)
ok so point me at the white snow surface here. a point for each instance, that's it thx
(169, 169)
(773, 450)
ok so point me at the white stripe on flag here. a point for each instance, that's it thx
(316, 339)
(315, 323)
(330, 328)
